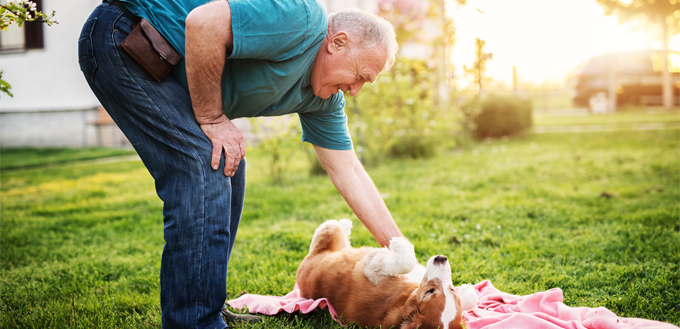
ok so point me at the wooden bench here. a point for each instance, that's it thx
(105, 120)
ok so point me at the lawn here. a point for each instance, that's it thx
(596, 214)
(625, 119)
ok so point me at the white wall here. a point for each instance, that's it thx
(52, 102)
(50, 78)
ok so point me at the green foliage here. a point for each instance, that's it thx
(479, 67)
(662, 12)
(19, 12)
(399, 116)
(316, 169)
(274, 133)
(81, 243)
(5, 87)
(407, 16)
(499, 116)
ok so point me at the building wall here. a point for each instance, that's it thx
(50, 78)
(52, 103)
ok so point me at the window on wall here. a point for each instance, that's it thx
(30, 36)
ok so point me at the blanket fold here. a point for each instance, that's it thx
(270, 305)
(495, 310)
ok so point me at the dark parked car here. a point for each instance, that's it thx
(638, 79)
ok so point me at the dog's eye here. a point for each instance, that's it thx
(431, 291)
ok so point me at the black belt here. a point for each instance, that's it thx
(122, 7)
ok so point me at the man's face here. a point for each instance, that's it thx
(339, 68)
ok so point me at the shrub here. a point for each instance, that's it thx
(502, 116)
(400, 116)
(274, 132)
(315, 167)
(412, 147)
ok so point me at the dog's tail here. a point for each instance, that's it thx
(332, 235)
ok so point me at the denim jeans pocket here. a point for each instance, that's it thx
(88, 64)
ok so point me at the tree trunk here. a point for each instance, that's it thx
(613, 83)
(665, 73)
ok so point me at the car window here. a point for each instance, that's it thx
(599, 64)
(635, 63)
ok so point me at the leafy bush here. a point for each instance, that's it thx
(400, 115)
(412, 147)
(500, 116)
(315, 167)
(274, 132)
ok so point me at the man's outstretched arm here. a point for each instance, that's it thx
(354, 184)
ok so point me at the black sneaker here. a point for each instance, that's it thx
(231, 318)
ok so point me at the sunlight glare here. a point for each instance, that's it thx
(545, 39)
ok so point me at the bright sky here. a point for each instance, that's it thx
(545, 39)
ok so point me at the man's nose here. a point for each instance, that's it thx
(355, 88)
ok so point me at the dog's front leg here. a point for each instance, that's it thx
(399, 258)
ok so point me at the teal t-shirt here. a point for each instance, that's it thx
(268, 71)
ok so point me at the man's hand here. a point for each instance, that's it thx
(225, 137)
(208, 40)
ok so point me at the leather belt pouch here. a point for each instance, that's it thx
(147, 47)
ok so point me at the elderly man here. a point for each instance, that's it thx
(242, 58)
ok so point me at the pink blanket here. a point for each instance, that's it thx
(289, 303)
(495, 310)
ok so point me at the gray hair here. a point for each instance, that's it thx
(369, 29)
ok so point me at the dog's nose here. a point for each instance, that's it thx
(439, 260)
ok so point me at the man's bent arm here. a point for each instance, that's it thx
(209, 38)
(354, 184)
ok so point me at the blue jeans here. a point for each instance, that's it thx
(201, 207)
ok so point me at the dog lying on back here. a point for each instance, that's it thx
(381, 287)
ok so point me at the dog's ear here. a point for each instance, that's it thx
(410, 324)
(409, 318)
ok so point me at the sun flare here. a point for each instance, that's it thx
(546, 40)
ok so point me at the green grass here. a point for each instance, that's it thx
(15, 158)
(550, 99)
(623, 119)
(595, 214)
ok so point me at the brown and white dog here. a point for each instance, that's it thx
(381, 287)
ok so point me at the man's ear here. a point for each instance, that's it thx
(338, 42)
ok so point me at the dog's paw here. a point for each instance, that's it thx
(401, 246)
(402, 258)
(468, 297)
(346, 226)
